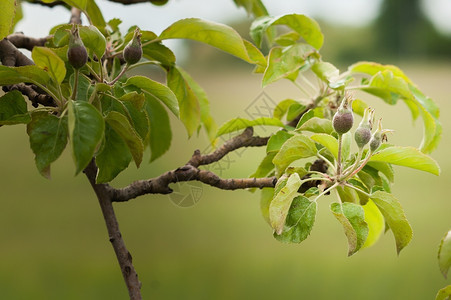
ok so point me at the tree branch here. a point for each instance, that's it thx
(190, 172)
(19, 40)
(10, 56)
(246, 139)
(75, 16)
(123, 255)
(30, 90)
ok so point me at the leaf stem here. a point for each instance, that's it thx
(124, 69)
(367, 158)
(50, 93)
(150, 42)
(101, 69)
(150, 62)
(74, 91)
(355, 165)
(357, 189)
(327, 161)
(340, 142)
(93, 73)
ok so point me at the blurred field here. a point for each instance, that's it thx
(54, 243)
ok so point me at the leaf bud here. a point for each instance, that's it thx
(77, 55)
(343, 118)
(133, 51)
(362, 134)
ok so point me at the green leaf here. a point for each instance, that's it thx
(346, 145)
(372, 68)
(358, 107)
(444, 254)
(83, 87)
(375, 221)
(86, 128)
(48, 138)
(352, 217)
(265, 200)
(307, 28)
(122, 126)
(388, 87)
(299, 222)
(160, 128)
(276, 141)
(407, 157)
(348, 194)
(278, 209)
(13, 109)
(205, 116)
(384, 168)
(255, 7)
(156, 90)
(240, 123)
(296, 147)
(18, 15)
(317, 125)
(327, 141)
(305, 117)
(294, 111)
(284, 61)
(114, 157)
(94, 13)
(139, 120)
(282, 108)
(444, 294)
(27, 74)
(254, 54)
(211, 33)
(394, 216)
(391, 84)
(8, 9)
(432, 131)
(190, 113)
(89, 7)
(287, 39)
(159, 52)
(93, 39)
(326, 72)
(265, 167)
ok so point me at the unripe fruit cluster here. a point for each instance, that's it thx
(133, 51)
(343, 118)
(77, 55)
(362, 134)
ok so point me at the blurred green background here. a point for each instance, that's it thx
(54, 243)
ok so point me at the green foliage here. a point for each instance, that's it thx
(352, 217)
(362, 180)
(112, 117)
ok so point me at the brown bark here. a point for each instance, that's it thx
(122, 254)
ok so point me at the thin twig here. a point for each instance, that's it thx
(123, 255)
(20, 40)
